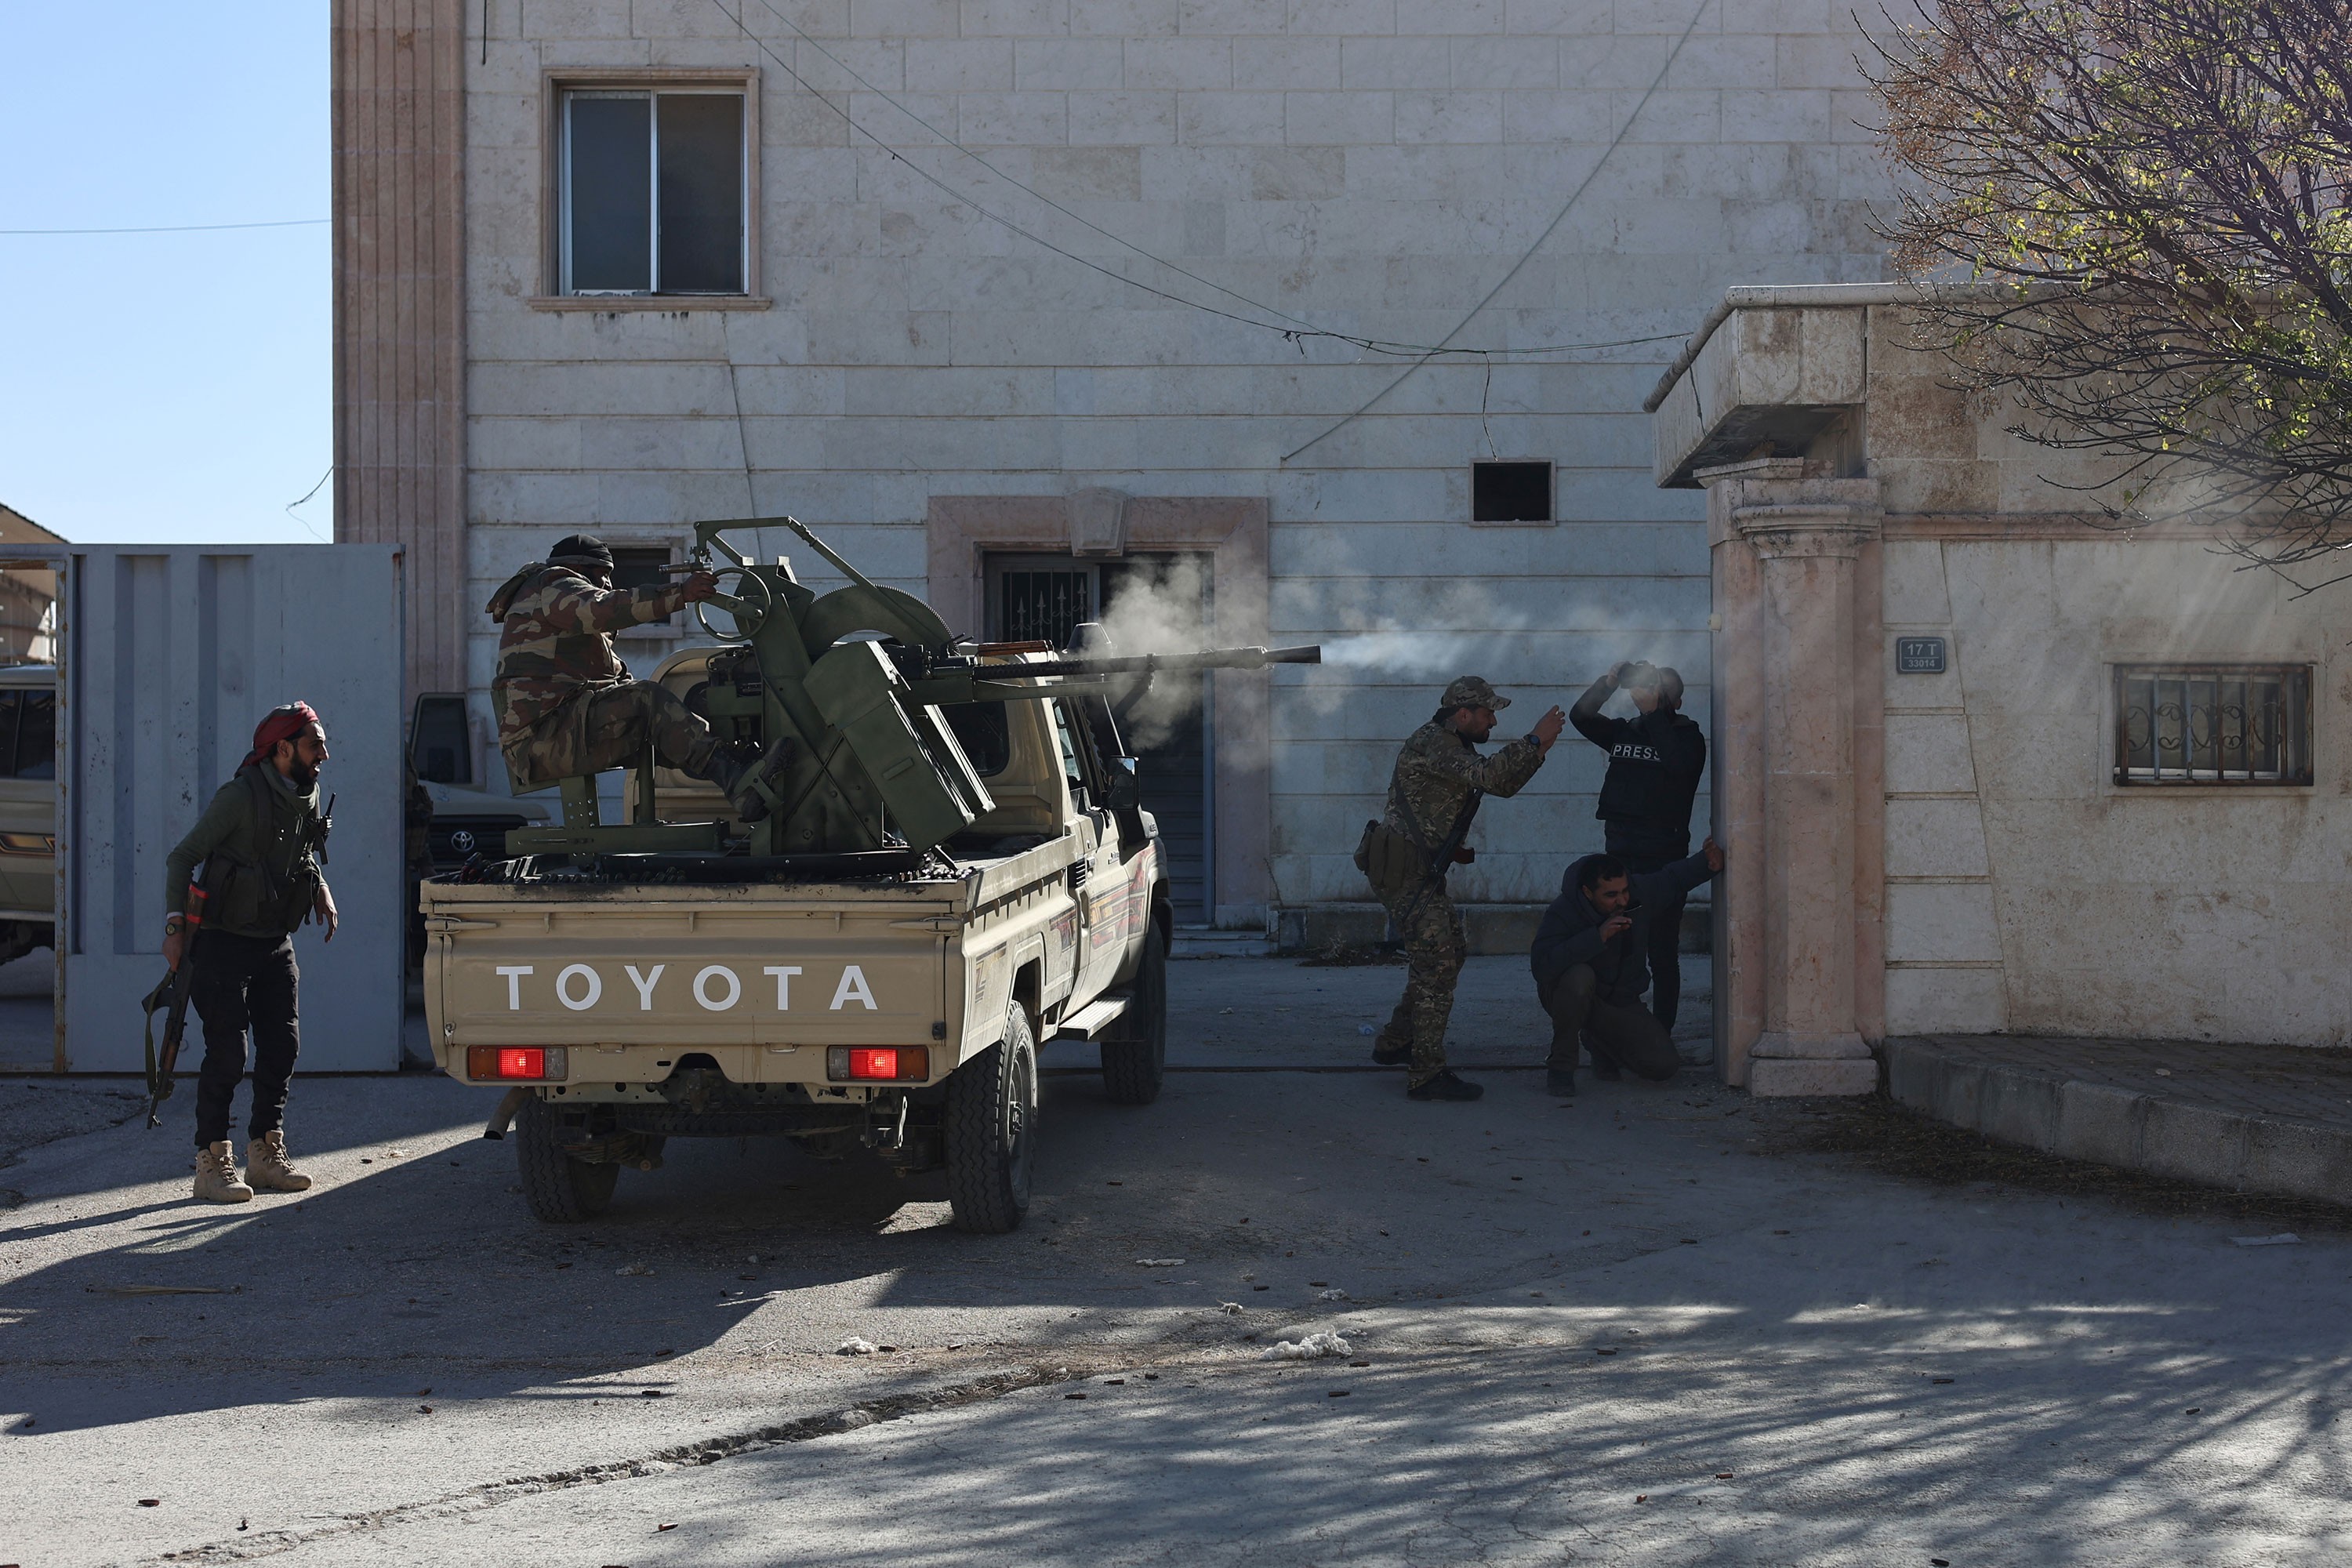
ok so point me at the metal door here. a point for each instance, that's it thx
(172, 655)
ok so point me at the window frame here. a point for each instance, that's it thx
(2297, 677)
(556, 88)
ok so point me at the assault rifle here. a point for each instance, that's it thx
(170, 996)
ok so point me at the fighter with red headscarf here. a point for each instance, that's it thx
(262, 835)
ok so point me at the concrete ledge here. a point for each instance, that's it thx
(1773, 1078)
(2163, 1134)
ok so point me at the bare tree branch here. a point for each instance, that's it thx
(2162, 187)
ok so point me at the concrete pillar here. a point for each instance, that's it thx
(1792, 613)
(399, 310)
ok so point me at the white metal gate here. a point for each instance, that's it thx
(171, 655)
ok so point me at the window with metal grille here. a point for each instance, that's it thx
(653, 193)
(2213, 724)
(1044, 607)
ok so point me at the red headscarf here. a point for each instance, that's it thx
(279, 724)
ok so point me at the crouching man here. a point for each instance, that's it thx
(1591, 964)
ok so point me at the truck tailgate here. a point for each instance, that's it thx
(683, 973)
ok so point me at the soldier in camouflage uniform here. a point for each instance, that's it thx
(1439, 776)
(567, 705)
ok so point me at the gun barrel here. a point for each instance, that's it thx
(1148, 663)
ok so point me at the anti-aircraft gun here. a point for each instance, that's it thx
(853, 682)
(875, 961)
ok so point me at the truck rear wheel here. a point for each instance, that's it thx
(560, 1189)
(1136, 1064)
(991, 1131)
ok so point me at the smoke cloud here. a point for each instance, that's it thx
(1160, 605)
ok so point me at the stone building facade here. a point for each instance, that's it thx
(976, 320)
(1984, 765)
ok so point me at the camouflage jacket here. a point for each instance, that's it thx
(1435, 773)
(556, 645)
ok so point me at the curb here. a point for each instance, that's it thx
(2156, 1134)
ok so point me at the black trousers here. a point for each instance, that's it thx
(1625, 1037)
(245, 982)
(1665, 944)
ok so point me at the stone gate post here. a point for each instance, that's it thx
(1796, 633)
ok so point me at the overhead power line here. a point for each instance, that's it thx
(1297, 329)
(179, 228)
(1557, 218)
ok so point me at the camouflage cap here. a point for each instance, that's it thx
(1472, 692)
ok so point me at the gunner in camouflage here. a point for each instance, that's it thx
(1440, 776)
(567, 705)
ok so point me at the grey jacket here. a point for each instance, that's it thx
(1571, 932)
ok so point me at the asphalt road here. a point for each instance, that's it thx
(1612, 1331)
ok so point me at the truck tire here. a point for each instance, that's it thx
(991, 1131)
(1136, 1064)
(560, 1189)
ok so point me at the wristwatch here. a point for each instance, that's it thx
(1532, 739)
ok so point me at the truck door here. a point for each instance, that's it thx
(1104, 888)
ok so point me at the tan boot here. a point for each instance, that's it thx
(267, 1167)
(216, 1178)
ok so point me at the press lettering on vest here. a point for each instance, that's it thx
(702, 988)
(1625, 751)
(564, 993)
(514, 973)
(783, 973)
(645, 985)
(852, 989)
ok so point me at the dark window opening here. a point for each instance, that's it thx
(440, 741)
(36, 737)
(1510, 492)
(636, 567)
(2213, 724)
(28, 734)
(985, 735)
(701, 206)
(653, 193)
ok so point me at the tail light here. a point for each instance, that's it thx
(884, 1064)
(542, 1063)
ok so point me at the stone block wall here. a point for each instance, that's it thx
(1951, 852)
(1374, 166)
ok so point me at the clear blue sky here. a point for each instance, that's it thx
(165, 386)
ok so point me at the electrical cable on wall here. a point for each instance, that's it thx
(1296, 333)
(1582, 185)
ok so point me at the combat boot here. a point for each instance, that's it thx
(738, 779)
(216, 1177)
(266, 1168)
(1446, 1086)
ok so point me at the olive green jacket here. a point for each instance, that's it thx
(271, 875)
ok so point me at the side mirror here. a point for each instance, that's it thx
(1122, 791)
